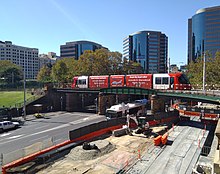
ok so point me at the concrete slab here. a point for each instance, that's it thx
(179, 157)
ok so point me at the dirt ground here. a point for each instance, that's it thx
(117, 152)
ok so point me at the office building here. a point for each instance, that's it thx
(25, 57)
(149, 48)
(204, 33)
(76, 49)
(45, 59)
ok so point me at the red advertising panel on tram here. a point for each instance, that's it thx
(139, 80)
(98, 82)
(117, 80)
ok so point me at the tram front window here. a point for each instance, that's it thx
(183, 79)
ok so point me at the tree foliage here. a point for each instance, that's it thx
(64, 70)
(9, 72)
(195, 71)
(98, 62)
(44, 74)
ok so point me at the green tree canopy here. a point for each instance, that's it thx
(130, 67)
(44, 74)
(195, 71)
(10, 72)
(64, 70)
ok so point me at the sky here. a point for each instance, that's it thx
(47, 24)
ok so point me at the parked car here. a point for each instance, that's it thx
(6, 125)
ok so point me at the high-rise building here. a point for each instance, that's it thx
(149, 48)
(25, 57)
(76, 49)
(204, 32)
(45, 59)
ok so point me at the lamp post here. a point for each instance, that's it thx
(204, 72)
(24, 107)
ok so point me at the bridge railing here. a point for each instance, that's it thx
(195, 92)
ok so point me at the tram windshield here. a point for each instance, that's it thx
(183, 79)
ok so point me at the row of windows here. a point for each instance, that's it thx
(163, 80)
(67, 51)
(153, 46)
(153, 60)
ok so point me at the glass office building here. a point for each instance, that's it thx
(204, 33)
(149, 48)
(76, 49)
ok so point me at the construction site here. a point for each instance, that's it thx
(134, 143)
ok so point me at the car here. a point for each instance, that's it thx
(6, 125)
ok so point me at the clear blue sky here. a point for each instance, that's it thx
(47, 24)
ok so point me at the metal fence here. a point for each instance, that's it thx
(205, 150)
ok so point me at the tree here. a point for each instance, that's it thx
(64, 70)
(59, 71)
(44, 75)
(195, 71)
(130, 67)
(116, 62)
(9, 72)
(95, 62)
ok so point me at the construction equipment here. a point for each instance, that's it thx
(143, 125)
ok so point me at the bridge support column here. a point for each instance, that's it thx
(72, 102)
(104, 102)
(157, 104)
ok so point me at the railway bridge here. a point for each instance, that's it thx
(99, 99)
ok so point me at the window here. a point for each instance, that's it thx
(183, 79)
(158, 80)
(165, 80)
(82, 82)
(172, 80)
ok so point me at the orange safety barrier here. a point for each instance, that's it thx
(164, 138)
(33, 156)
(157, 140)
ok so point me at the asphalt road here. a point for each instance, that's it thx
(56, 126)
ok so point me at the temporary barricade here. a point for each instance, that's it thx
(157, 140)
(164, 138)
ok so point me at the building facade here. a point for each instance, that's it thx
(204, 33)
(149, 48)
(76, 49)
(45, 59)
(25, 57)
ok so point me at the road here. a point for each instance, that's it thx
(56, 126)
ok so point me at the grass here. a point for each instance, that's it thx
(10, 98)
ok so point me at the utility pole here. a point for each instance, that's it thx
(24, 108)
(168, 64)
(204, 72)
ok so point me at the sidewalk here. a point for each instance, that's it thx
(32, 117)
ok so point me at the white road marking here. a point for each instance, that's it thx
(13, 137)
(5, 134)
(44, 131)
(42, 126)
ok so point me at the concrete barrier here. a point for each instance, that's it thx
(81, 134)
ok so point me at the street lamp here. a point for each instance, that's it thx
(24, 107)
(204, 71)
